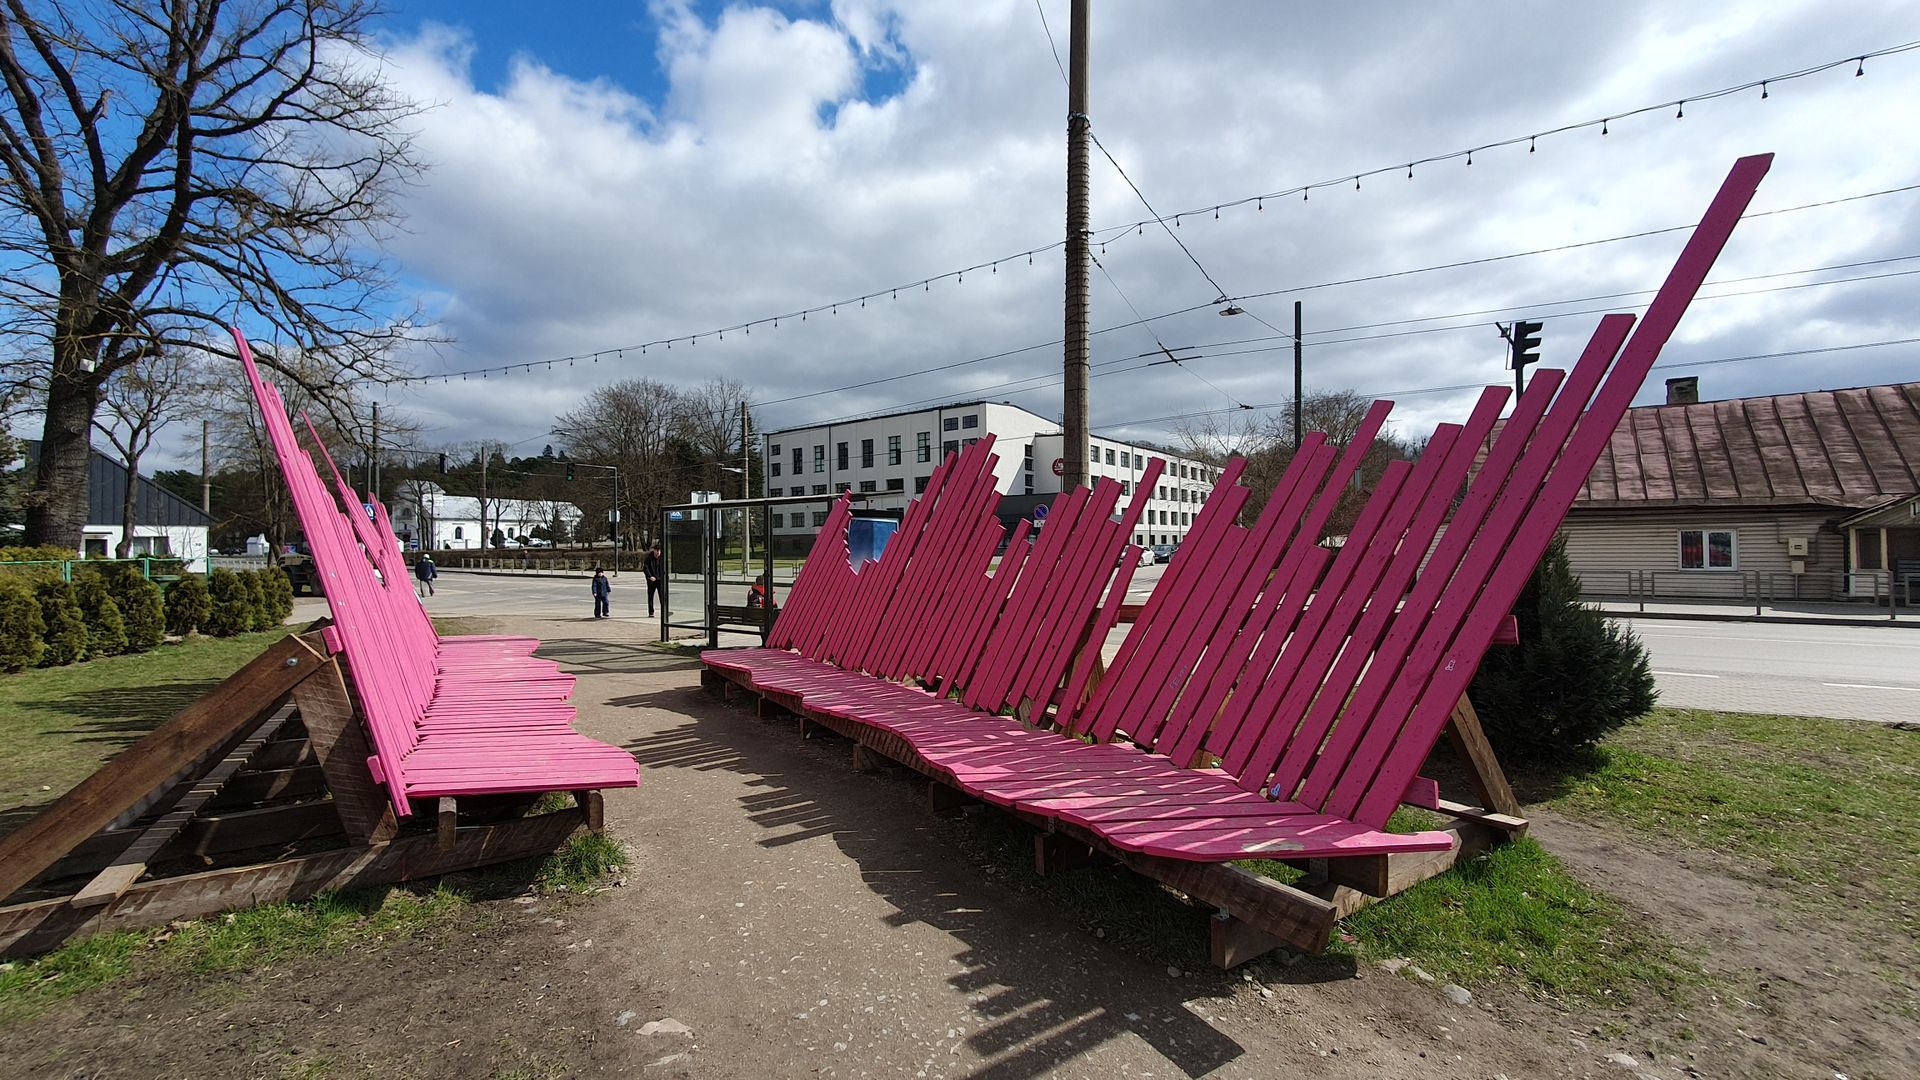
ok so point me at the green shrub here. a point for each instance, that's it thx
(66, 628)
(230, 606)
(21, 627)
(261, 616)
(279, 590)
(1573, 678)
(106, 630)
(188, 605)
(141, 608)
(34, 564)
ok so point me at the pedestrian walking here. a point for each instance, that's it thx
(656, 579)
(602, 594)
(424, 572)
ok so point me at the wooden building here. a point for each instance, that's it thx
(1810, 496)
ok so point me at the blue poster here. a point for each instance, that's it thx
(867, 538)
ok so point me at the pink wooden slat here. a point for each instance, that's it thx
(979, 611)
(1011, 633)
(1071, 700)
(1696, 259)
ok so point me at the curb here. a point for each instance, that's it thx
(1785, 620)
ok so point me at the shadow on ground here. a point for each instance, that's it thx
(1041, 1007)
(585, 656)
(147, 705)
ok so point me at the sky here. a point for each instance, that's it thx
(605, 174)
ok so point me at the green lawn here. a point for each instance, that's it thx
(1826, 810)
(58, 724)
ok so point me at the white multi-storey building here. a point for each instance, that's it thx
(891, 457)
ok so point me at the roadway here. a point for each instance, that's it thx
(1846, 672)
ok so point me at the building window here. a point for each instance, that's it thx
(1109, 455)
(820, 457)
(798, 468)
(923, 446)
(897, 483)
(893, 449)
(951, 446)
(459, 533)
(866, 453)
(779, 521)
(1163, 491)
(774, 493)
(1706, 549)
(869, 486)
(1126, 487)
(951, 423)
(970, 442)
(774, 451)
(819, 489)
(819, 518)
(840, 456)
(920, 484)
(776, 468)
(971, 420)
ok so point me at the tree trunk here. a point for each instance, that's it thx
(128, 508)
(57, 502)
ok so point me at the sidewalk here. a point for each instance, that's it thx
(1808, 613)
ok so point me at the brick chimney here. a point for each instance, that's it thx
(1684, 391)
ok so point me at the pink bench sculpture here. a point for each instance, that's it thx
(1275, 698)
(445, 716)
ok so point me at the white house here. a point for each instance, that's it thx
(164, 524)
(424, 512)
(892, 457)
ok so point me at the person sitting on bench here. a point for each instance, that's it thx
(761, 594)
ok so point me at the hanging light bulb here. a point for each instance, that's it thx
(1860, 67)
(1409, 170)
(1260, 204)
(1603, 127)
(1469, 159)
(1356, 183)
(1763, 91)
(1216, 213)
(1681, 112)
(1530, 141)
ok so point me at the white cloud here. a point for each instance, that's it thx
(565, 216)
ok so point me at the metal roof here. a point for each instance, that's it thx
(1854, 448)
(107, 486)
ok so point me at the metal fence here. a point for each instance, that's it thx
(153, 568)
(1877, 589)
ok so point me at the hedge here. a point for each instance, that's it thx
(106, 630)
(230, 605)
(141, 607)
(188, 605)
(261, 615)
(279, 590)
(66, 628)
(21, 627)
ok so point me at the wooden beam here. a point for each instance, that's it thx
(944, 797)
(1053, 852)
(1233, 942)
(286, 754)
(594, 805)
(446, 822)
(1513, 827)
(865, 760)
(208, 835)
(206, 726)
(1293, 917)
(41, 925)
(130, 864)
(339, 741)
(1407, 869)
(256, 787)
(1470, 745)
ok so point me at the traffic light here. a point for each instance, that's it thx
(569, 470)
(443, 464)
(1526, 344)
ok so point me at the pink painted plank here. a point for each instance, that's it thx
(1696, 259)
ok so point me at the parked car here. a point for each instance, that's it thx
(299, 570)
(1163, 553)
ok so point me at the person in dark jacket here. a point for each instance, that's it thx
(602, 594)
(656, 577)
(425, 571)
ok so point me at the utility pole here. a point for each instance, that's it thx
(373, 459)
(746, 487)
(1074, 421)
(206, 477)
(1297, 402)
(486, 538)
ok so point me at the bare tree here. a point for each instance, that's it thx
(1268, 448)
(138, 402)
(171, 167)
(710, 422)
(633, 425)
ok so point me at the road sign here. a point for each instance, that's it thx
(1059, 466)
(1040, 512)
(674, 515)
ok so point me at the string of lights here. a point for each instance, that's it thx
(1108, 234)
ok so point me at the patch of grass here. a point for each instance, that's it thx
(457, 625)
(581, 862)
(260, 937)
(60, 724)
(1515, 917)
(1829, 809)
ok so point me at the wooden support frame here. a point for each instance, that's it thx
(1253, 914)
(271, 763)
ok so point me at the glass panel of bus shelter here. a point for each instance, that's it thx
(684, 553)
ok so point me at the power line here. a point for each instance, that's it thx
(992, 265)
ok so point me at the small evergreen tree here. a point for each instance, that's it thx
(106, 630)
(22, 631)
(230, 606)
(188, 605)
(141, 608)
(66, 628)
(279, 593)
(261, 616)
(1573, 678)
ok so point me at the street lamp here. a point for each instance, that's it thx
(618, 519)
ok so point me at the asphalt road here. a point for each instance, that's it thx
(1848, 672)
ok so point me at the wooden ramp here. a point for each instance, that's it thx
(257, 792)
